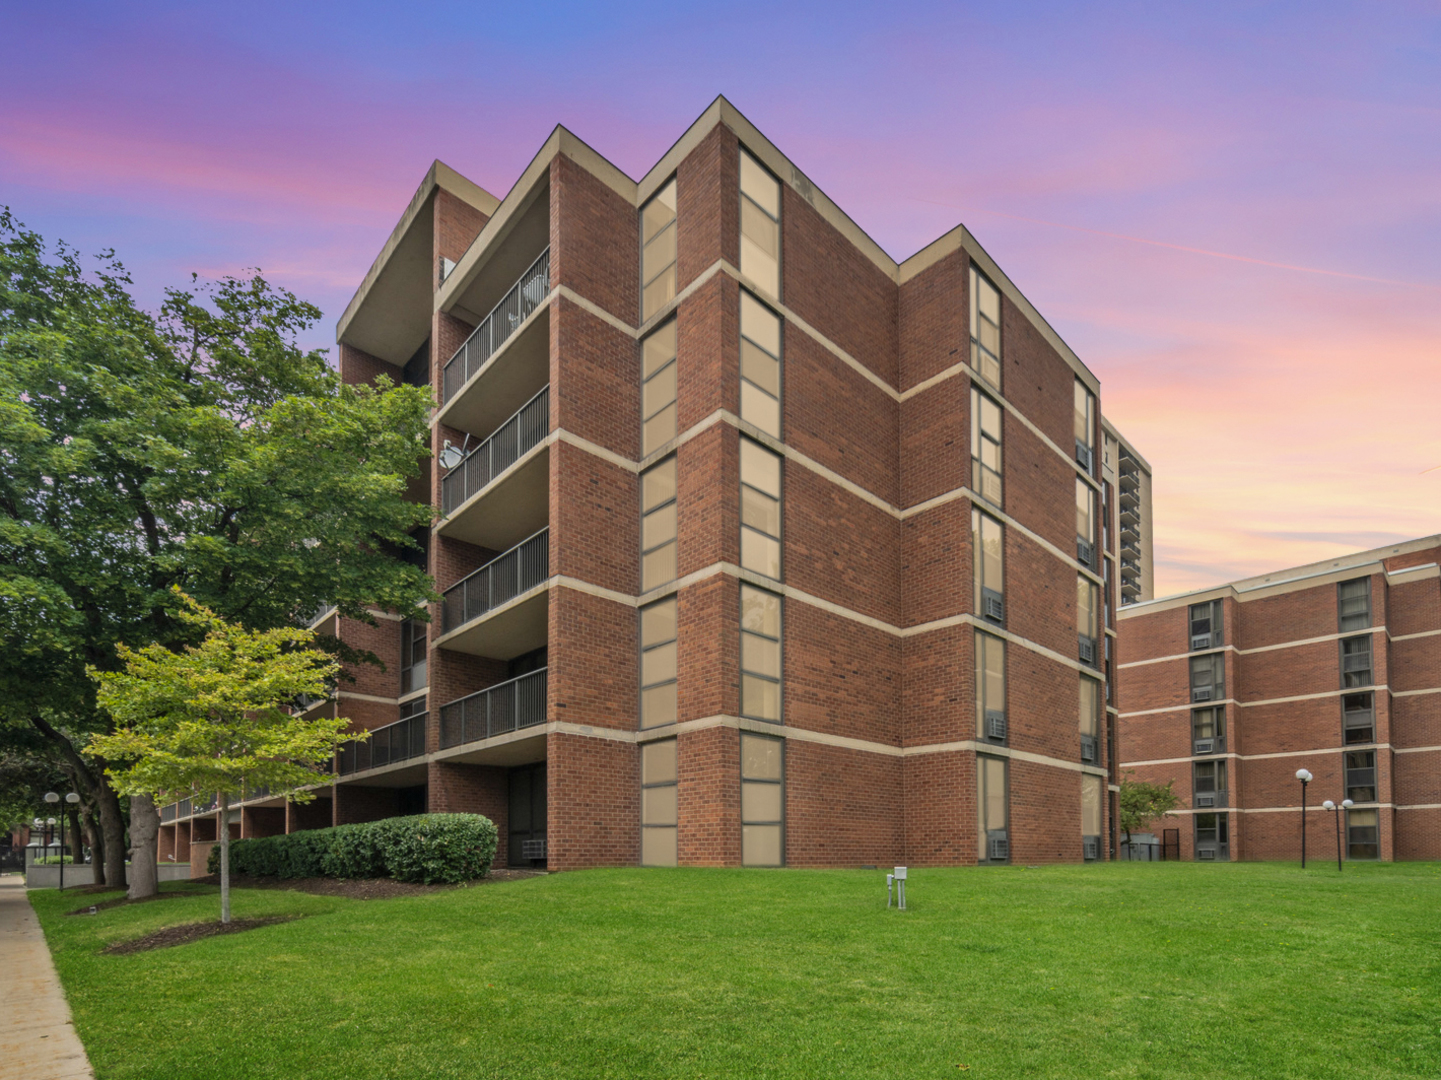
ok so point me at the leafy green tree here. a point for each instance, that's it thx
(200, 447)
(214, 717)
(1142, 802)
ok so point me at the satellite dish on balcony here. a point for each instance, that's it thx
(451, 455)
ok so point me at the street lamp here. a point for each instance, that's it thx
(1346, 804)
(1303, 775)
(52, 798)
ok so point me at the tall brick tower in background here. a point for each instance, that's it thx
(757, 547)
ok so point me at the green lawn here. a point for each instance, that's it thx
(1163, 970)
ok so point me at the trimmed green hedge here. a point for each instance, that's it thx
(427, 848)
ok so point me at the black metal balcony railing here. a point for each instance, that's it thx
(182, 808)
(524, 296)
(502, 579)
(508, 706)
(168, 813)
(522, 432)
(400, 741)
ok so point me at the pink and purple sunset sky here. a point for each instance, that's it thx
(1232, 212)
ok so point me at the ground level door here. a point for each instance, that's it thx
(527, 815)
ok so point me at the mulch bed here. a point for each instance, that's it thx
(183, 935)
(358, 889)
(121, 901)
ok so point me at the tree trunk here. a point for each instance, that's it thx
(73, 813)
(224, 857)
(112, 827)
(95, 841)
(145, 847)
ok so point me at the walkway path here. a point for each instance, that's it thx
(37, 1037)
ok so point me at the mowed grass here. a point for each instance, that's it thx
(1148, 971)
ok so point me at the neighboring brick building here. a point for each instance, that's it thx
(1333, 667)
(734, 508)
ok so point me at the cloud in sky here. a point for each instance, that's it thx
(1230, 212)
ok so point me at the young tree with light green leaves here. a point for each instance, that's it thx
(215, 717)
(1141, 802)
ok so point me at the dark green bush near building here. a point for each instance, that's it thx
(427, 849)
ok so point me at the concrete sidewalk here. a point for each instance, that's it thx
(37, 1038)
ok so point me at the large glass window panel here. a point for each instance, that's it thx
(1087, 607)
(1090, 707)
(991, 807)
(760, 225)
(1363, 834)
(658, 810)
(1085, 512)
(985, 447)
(760, 366)
(1210, 776)
(1209, 723)
(1354, 602)
(1356, 662)
(1208, 677)
(987, 537)
(760, 654)
(760, 509)
(990, 688)
(658, 664)
(657, 254)
(658, 525)
(413, 674)
(762, 800)
(1361, 775)
(1358, 718)
(658, 389)
(1085, 425)
(985, 328)
(1092, 794)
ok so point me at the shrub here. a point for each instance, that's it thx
(427, 848)
(437, 848)
(354, 853)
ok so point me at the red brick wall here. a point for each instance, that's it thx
(708, 797)
(843, 807)
(460, 788)
(594, 241)
(594, 802)
(940, 809)
(707, 206)
(933, 314)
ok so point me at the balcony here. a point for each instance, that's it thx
(500, 493)
(501, 610)
(513, 705)
(387, 745)
(524, 431)
(523, 298)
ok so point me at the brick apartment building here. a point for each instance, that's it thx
(1334, 668)
(757, 547)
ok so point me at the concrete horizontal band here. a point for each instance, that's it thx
(1312, 752)
(1187, 706)
(867, 746)
(1296, 644)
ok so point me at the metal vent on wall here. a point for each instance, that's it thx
(1204, 746)
(1201, 693)
(1200, 641)
(1084, 457)
(1206, 854)
(532, 849)
(998, 848)
(1085, 553)
(1087, 649)
(1205, 800)
(1088, 748)
(995, 724)
(1091, 847)
(995, 608)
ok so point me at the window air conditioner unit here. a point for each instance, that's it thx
(1091, 848)
(1205, 746)
(1088, 650)
(995, 724)
(1085, 553)
(998, 848)
(1088, 748)
(532, 849)
(1206, 854)
(1084, 457)
(1200, 641)
(1201, 693)
(1205, 800)
(995, 608)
